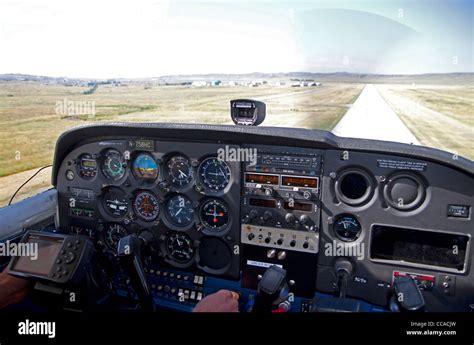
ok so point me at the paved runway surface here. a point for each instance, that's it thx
(370, 117)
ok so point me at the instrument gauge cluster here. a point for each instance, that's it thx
(180, 192)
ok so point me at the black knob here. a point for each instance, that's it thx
(305, 245)
(304, 219)
(268, 239)
(251, 236)
(289, 218)
(293, 243)
(280, 241)
(267, 215)
(268, 191)
(253, 214)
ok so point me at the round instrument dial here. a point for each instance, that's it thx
(114, 165)
(214, 173)
(146, 206)
(112, 235)
(180, 247)
(115, 202)
(180, 171)
(347, 228)
(214, 215)
(180, 210)
(144, 167)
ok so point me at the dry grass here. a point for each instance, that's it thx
(29, 125)
(439, 116)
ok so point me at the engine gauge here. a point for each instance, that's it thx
(180, 171)
(347, 228)
(113, 165)
(180, 210)
(179, 247)
(112, 235)
(115, 202)
(214, 173)
(146, 206)
(214, 215)
(144, 167)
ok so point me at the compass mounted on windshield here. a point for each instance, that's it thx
(247, 112)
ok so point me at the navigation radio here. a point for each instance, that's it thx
(282, 189)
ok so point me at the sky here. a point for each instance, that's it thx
(150, 38)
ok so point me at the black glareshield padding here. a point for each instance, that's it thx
(251, 135)
(408, 295)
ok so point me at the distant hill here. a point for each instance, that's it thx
(441, 78)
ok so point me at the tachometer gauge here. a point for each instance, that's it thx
(214, 215)
(144, 167)
(180, 172)
(180, 247)
(115, 202)
(146, 206)
(112, 235)
(114, 165)
(347, 228)
(214, 173)
(180, 210)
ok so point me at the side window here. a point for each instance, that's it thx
(11, 183)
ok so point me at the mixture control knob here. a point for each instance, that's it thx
(253, 214)
(267, 215)
(304, 219)
(250, 236)
(289, 218)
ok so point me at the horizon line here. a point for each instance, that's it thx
(242, 74)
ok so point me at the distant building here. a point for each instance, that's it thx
(216, 83)
(199, 83)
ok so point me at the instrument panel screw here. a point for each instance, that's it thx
(383, 178)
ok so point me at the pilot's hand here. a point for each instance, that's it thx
(12, 289)
(223, 301)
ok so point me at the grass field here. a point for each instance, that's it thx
(439, 116)
(29, 124)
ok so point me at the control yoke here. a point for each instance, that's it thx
(130, 251)
(272, 290)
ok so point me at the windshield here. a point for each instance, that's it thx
(391, 70)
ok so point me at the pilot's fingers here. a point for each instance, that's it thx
(235, 295)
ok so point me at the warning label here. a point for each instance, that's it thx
(401, 165)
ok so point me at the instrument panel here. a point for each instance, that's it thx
(182, 194)
(221, 221)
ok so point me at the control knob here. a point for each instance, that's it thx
(267, 215)
(253, 214)
(304, 219)
(289, 218)
(268, 191)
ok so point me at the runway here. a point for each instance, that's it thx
(370, 117)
